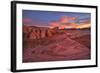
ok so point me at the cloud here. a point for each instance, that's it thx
(66, 19)
(34, 22)
(67, 24)
(27, 20)
(54, 23)
(63, 19)
(86, 21)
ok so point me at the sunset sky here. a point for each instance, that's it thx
(33, 17)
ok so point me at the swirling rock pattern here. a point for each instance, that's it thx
(44, 44)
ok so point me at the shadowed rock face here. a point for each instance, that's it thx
(32, 32)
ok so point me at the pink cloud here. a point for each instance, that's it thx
(27, 20)
(65, 19)
(54, 23)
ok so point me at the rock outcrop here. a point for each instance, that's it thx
(32, 32)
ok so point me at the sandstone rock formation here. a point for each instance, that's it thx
(32, 32)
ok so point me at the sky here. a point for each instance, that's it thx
(33, 17)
